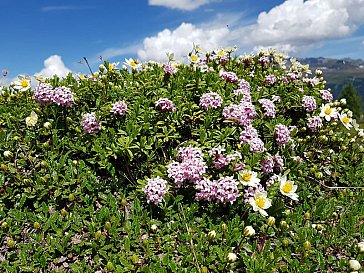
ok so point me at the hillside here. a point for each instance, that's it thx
(339, 72)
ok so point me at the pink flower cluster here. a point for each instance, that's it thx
(269, 107)
(170, 69)
(155, 190)
(309, 103)
(119, 108)
(294, 76)
(45, 94)
(190, 169)
(282, 134)
(221, 161)
(210, 100)
(223, 190)
(271, 79)
(243, 88)
(250, 135)
(326, 95)
(250, 192)
(271, 163)
(90, 123)
(243, 113)
(314, 123)
(228, 76)
(165, 105)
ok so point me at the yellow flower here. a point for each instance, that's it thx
(287, 188)
(260, 202)
(32, 119)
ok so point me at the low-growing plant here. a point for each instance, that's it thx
(215, 146)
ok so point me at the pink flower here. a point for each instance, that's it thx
(170, 69)
(326, 95)
(155, 190)
(119, 108)
(309, 103)
(63, 96)
(43, 94)
(314, 123)
(228, 76)
(206, 190)
(90, 123)
(269, 107)
(227, 190)
(282, 134)
(243, 113)
(250, 135)
(4, 72)
(267, 165)
(271, 79)
(165, 105)
(210, 100)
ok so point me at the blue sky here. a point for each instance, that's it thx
(52, 36)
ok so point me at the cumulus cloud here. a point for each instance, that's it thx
(180, 41)
(54, 65)
(297, 24)
(179, 4)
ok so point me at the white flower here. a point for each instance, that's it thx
(22, 84)
(260, 202)
(8, 154)
(211, 234)
(328, 112)
(231, 257)
(343, 101)
(113, 66)
(193, 58)
(354, 265)
(361, 246)
(346, 120)
(248, 178)
(154, 227)
(287, 188)
(249, 231)
(32, 119)
(133, 63)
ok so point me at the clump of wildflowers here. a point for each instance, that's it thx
(250, 135)
(282, 134)
(269, 107)
(314, 123)
(119, 108)
(170, 69)
(309, 103)
(44, 94)
(210, 100)
(155, 190)
(227, 190)
(326, 95)
(90, 123)
(165, 105)
(228, 76)
(242, 113)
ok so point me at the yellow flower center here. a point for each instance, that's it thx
(132, 64)
(24, 83)
(328, 111)
(221, 52)
(246, 177)
(193, 58)
(260, 201)
(287, 187)
(345, 119)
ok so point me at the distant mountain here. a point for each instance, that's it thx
(339, 72)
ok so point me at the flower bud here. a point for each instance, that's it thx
(224, 227)
(71, 197)
(307, 245)
(285, 242)
(64, 212)
(307, 215)
(319, 227)
(335, 215)
(231, 257)
(212, 234)
(135, 259)
(8, 154)
(271, 221)
(360, 247)
(354, 265)
(98, 234)
(36, 225)
(109, 266)
(107, 226)
(4, 225)
(47, 125)
(10, 243)
(123, 202)
(249, 231)
(204, 269)
(154, 227)
(283, 224)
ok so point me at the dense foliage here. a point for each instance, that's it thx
(222, 137)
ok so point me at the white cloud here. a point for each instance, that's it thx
(179, 4)
(180, 41)
(296, 24)
(54, 65)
